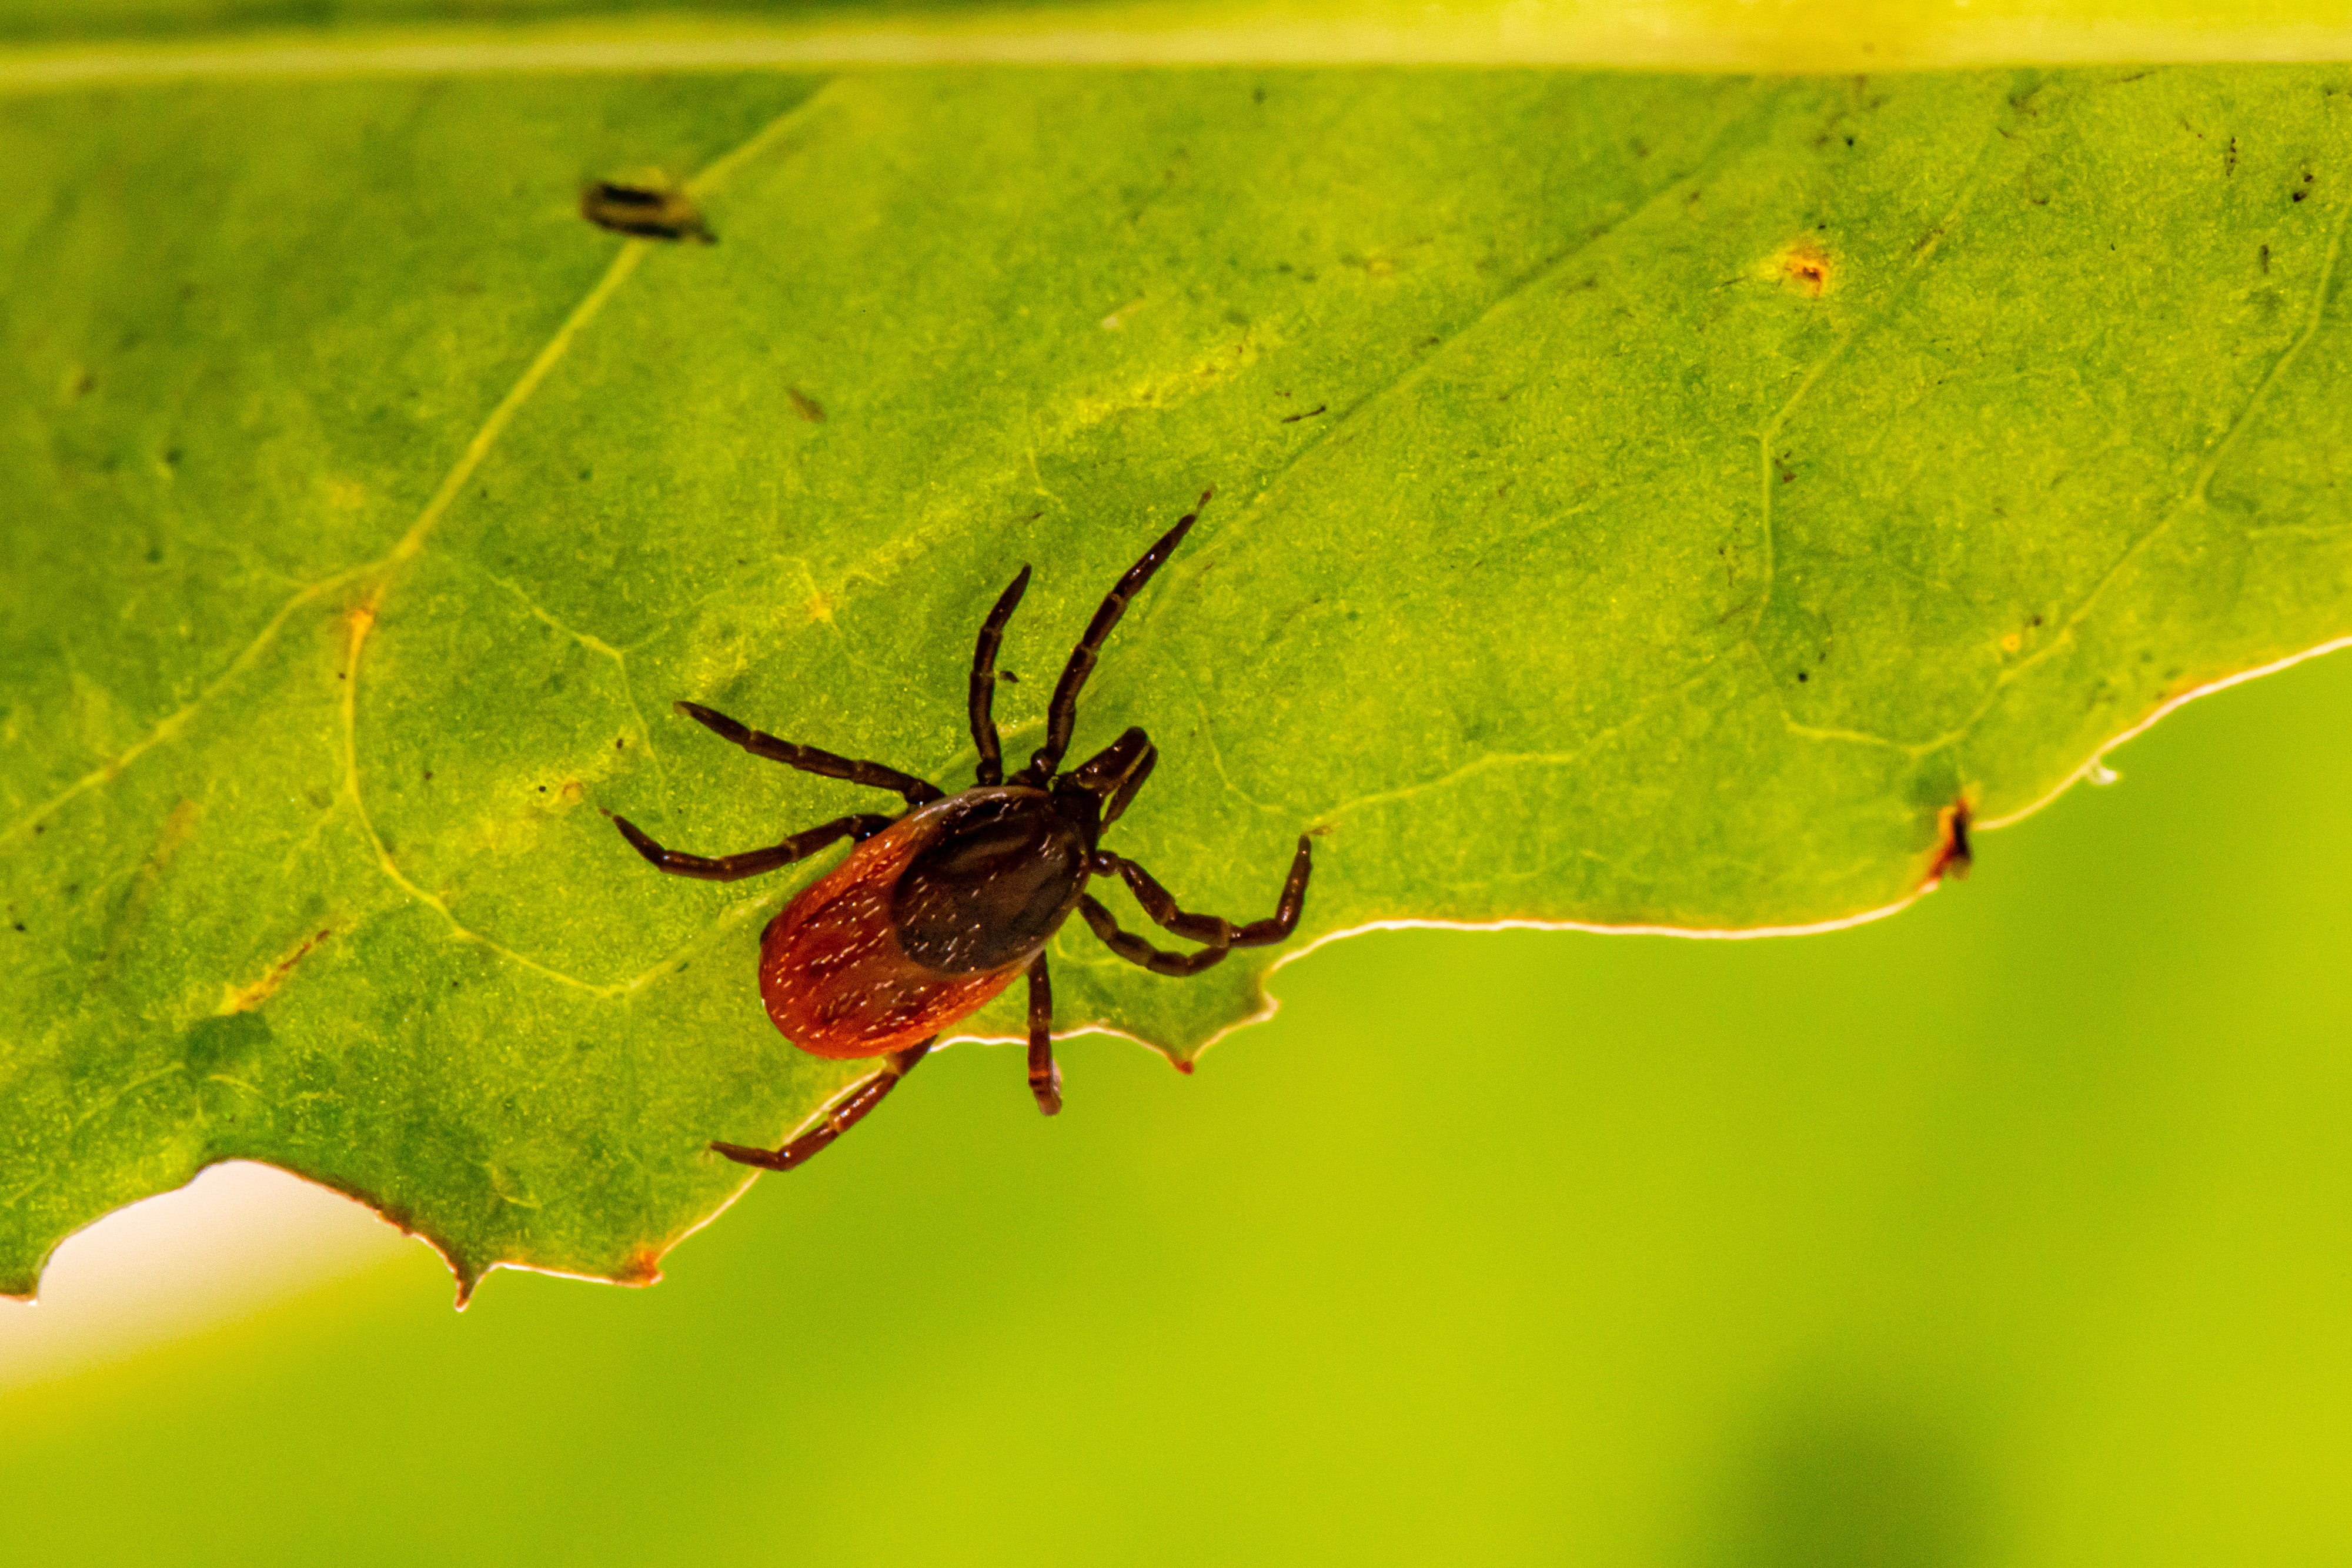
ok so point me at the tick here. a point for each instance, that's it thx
(938, 909)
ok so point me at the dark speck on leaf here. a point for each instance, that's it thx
(1008, 677)
(643, 211)
(1801, 676)
(428, 776)
(20, 925)
(621, 744)
(543, 788)
(1311, 413)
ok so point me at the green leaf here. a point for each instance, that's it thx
(1641, 501)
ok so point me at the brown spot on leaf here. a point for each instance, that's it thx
(1953, 857)
(131, 914)
(1805, 265)
(244, 998)
(807, 407)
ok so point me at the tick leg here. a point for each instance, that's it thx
(983, 681)
(842, 1115)
(1117, 806)
(750, 863)
(1160, 905)
(1045, 1077)
(809, 759)
(1136, 950)
(1061, 715)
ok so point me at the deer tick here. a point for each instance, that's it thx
(939, 908)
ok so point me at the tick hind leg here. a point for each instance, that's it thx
(844, 1114)
(1220, 935)
(1045, 1076)
(809, 759)
(750, 863)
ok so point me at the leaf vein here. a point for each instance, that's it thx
(2194, 499)
(1517, 289)
(631, 254)
(1915, 270)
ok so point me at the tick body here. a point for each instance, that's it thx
(938, 909)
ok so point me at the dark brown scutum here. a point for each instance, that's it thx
(993, 886)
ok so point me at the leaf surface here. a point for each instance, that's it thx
(1641, 501)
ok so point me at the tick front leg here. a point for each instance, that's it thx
(983, 683)
(845, 1113)
(1136, 950)
(1062, 713)
(1217, 931)
(1045, 1076)
(750, 863)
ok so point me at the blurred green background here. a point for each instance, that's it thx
(2011, 1230)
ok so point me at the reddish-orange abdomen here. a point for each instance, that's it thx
(833, 974)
